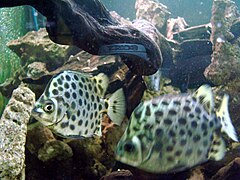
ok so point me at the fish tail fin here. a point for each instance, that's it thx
(217, 149)
(224, 116)
(116, 107)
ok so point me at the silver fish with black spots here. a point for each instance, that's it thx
(73, 103)
(172, 133)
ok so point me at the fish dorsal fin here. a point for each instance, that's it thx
(204, 96)
(225, 119)
(101, 82)
(217, 149)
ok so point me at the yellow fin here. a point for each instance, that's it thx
(224, 116)
(101, 82)
(204, 95)
(116, 107)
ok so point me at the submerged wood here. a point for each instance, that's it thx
(89, 25)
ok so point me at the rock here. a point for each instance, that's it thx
(39, 132)
(53, 150)
(230, 171)
(235, 28)
(36, 70)
(13, 130)
(196, 174)
(121, 174)
(36, 46)
(154, 12)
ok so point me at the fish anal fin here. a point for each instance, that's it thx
(204, 96)
(217, 149)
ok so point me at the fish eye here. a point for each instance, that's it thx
(129, 147)
(49, 107)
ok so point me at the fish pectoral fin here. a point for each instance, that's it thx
(225, 119)
(117, 107)
(204, 96)
(217, 149)
(101, 82)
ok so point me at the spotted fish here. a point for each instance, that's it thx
(72, 104)
(172, 133)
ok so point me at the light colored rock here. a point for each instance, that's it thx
(13, 130)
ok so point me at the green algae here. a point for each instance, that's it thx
(12, 27)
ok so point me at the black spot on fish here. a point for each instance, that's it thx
(187, 101)
(182, 132)
(74, 95)
(182, 121)
(158, 146)
(86, 123)
(205, 133)
(73, 117)
(159, 132)
(68, 114)
(90, 87)
(95, 90)
(183, 142)
(86, 132)
(188, 152)
(165, 103)
(158, 114)
(83, 79)
(148, 111)
(59, 81)
(55, 92)
(73, 105)
(196, 138)
(55, 84)
(205, 118)
(98, 99)
(80, 102)
(85, 102)
(80, 85)
(62, 77)
(189, 133)
(204, 126)
(147, 126)
(167, 121)
(170, 159)
(211, 124)
(60, 88)
(67, 95)
(172, 112)
(178, 153)
(172, 133)
(59, 111)
(91, 116)
(187, 108)
(72, 127)
(194, 99)
(100, 81)
(100, 89)
(68, 78)
(64, 125)
(66, 85)
(194, 124)
(178, 103)
(169, 148)
(99, 107)
(74, 86)
(85, 87)
(92, 125)
(80, 122)
(84, 112)
(95, 114)
(198, 110)
(92, 98)
(88, 107)
(106, 104)
(75, 77)
(191, 115)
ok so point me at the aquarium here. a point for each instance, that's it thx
(130, 89)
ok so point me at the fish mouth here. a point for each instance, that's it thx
(37, 114)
